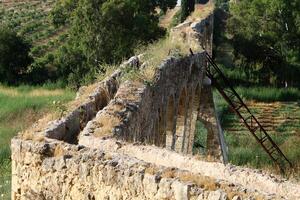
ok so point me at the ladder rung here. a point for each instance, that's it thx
(239, 107)
(237, 103)
(246, 119)
(254, 129)
(265, 138)
(271, 150)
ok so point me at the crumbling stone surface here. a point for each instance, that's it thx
(240, 178)
(84, 154)
(56, 170)
(68, 127)
(138, 113)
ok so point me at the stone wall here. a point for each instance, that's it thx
(57, 170)
(67, 163)
(162, 114)
(67, 128)
(200, 33)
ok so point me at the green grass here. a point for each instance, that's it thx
(176, 19)
(243, 149)
(200, 139)
(20, 107)
(268, 94)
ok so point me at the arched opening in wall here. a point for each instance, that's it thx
(189, 116)
(181, 121)
(200, 140)
(170, 125)
(194, 130)
(155, 139)
(161, 128)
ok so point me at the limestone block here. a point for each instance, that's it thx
(132, 62)
(165, 190)
(150, 186)
(73, 124)
(236, 198)
(217, 195)
(181, 190)
(56, 130)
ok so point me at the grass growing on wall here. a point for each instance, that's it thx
(176, 19)
(20, 107)
(153, 56)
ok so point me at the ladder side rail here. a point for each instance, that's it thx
(227, 82)
(245, 123)
(259, 140)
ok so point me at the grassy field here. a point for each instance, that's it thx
(19, 108)
(281, 119)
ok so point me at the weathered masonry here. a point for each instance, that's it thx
(164, 114)
(134, 140)
(66, 160)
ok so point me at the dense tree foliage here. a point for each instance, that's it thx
(164, 4)
(14, 56)
(266, 38)
(104, 31)
(187, 7)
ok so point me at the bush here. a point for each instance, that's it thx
(187, 7)
(104, 32)
(14, 56)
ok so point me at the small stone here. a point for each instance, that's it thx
(217, 195)
(236, 198)
(181, 190)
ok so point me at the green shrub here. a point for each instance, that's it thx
(187, 7)
(14, 56)
(176, 19)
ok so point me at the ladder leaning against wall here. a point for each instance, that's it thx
(222, 84)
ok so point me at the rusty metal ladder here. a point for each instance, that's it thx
(247, 118)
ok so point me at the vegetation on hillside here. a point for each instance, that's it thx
(96, 33)
(260, 39)
(105, 32)
(187, 7)
(14, 56)
(30, 20)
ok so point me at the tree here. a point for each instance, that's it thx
(165, 4)
(266, 38)
(187, 7)
(106, 32)
(14, 56)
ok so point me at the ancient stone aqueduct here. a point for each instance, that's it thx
(133, 141)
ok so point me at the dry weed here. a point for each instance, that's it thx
(106, 123)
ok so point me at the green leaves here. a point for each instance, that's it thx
(14, 56)
(187, 6)
(266, 33)
(105, 31)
